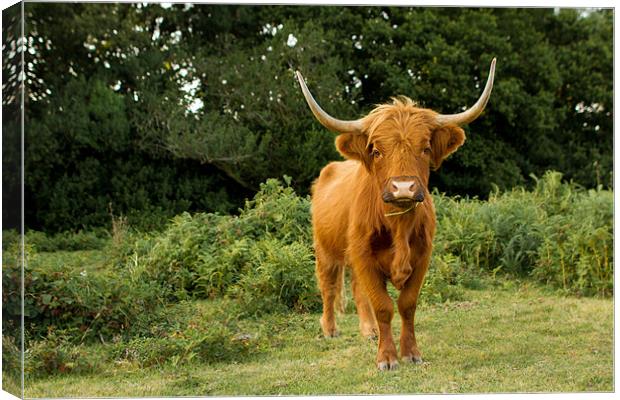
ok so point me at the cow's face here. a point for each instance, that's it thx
(399, 145)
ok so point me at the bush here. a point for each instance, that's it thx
(576, 252)
(57, 354)
(501, 233)
(461, 231)
(64, 241)
(197, 256)
(277, 211)
(278, 277)
(172, 258)
(443, 280)
(202, 255)
(558, 233)
(68, 292)
(11, 357)
(222, 268)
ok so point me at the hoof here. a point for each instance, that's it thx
(329, 329)
(387, 366)
(413, 359)
(369, 330)
(331, 333)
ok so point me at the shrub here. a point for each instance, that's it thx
(57, 354)
(209, 255)
(277, 211)
(462, 231)
(443, 280)
(202, 255)
(11, 357)
(558, 233)
(278, 278)
(576, 253)
(172, 258)
(10, 237)
(68, 292)
(222, 268)
(11, 287)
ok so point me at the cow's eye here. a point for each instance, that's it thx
(376, 153)
(427, 151)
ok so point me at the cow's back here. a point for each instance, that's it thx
(332, 195)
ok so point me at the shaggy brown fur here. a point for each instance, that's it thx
(351, 229)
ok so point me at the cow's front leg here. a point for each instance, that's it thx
(374, 283)
(407, 303)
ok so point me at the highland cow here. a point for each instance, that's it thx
(374, 213)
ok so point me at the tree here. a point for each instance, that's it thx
(181, 107)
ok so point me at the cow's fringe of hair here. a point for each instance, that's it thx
(401, 108)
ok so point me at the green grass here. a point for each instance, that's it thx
(516, 337)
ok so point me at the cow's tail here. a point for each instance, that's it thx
(340, 301)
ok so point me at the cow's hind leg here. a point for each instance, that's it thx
(368, 322)
(330, 276)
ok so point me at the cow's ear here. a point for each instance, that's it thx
(445, 141)
(353, 146)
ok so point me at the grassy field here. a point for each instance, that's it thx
(514, 337)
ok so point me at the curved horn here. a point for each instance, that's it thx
(331, 123)
(469, 115)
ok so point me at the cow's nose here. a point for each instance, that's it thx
(403, 188)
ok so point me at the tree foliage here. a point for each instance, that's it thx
(162, 108)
